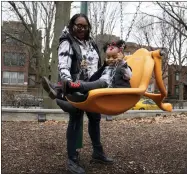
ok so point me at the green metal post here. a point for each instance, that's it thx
(84, 10)
(84, 7)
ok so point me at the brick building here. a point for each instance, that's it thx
(18, 71)
(173, 81)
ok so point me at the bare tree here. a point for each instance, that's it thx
(175, 11)
(38, 19)
(154, 37)
(177, 17)
(60, 22)
(103, 17)
(168, 32)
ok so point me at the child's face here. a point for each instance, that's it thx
(113, 55)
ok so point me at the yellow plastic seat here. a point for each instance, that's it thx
(114, 101)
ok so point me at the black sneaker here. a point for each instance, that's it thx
(74, 167)
(100, 157)
(48, 87)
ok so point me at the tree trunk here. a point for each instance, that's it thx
(62, 17)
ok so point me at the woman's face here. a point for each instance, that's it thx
(80, 28)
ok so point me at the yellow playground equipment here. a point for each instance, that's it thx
(114, 101)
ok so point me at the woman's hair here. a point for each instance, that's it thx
(119, 44)
(72, 23)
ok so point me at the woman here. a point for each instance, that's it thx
(75, 47)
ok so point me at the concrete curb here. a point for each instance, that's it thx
(18, 114)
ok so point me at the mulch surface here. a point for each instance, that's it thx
(138, 145)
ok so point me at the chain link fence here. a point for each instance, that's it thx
(26, 100)
(178, 104)
(20, 100)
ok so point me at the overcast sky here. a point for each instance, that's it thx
(129, 8)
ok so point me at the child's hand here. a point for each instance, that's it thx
(120, 55)
(124, 64)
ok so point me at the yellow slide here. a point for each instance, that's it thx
(114, 101)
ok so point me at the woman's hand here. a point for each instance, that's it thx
(84, 64)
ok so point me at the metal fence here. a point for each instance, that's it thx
(30, 101)
(178, 104)
(22, 101)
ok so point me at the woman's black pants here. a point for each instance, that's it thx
(74, 127)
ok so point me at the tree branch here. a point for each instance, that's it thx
(11, 36)
(166, 22)
(20, 17)
(28, 12)
(179, 20)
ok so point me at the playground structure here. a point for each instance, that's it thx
(114, 101)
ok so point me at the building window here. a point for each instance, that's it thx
(20, 78)
(14, 59)
(177, 76)
(13, 78)
(5, 77)
(176, 90)
(32, 80)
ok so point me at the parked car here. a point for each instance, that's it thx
(146, 104)
(27, 100)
